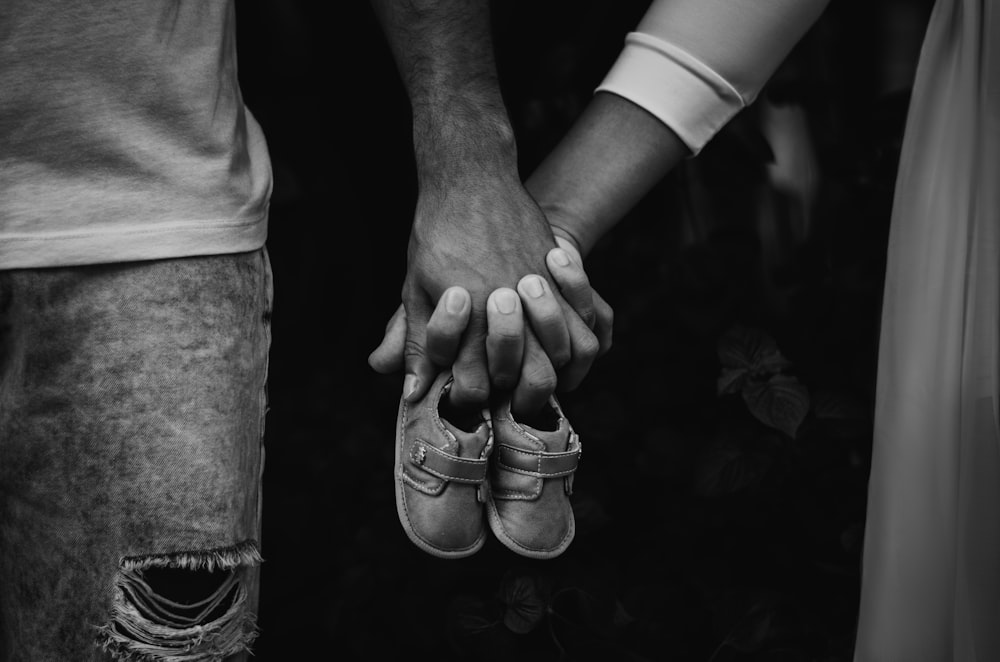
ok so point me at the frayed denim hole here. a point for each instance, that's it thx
(189, 606)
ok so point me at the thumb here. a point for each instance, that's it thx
(570, 246)
(420, 371)
(387, 358)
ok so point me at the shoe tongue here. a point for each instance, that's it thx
(472, 442)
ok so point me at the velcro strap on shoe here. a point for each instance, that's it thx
(538, 463)
(444, 465)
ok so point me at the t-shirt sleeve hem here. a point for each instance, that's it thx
(155, 242)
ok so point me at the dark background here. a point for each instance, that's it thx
(711, 526)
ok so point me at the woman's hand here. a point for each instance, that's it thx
(506, 340)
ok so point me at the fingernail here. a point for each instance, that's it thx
(533, 286)
(560, 257)
(454, 302)
(410, 385)
(505, 301)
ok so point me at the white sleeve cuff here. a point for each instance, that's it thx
(676, 87)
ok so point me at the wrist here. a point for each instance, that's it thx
(464, 141)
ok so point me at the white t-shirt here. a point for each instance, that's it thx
(694, 64)
(123, 134)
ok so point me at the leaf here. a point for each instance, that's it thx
(752, 350)
(780, 403)
(731, 380)
(726, 469)
(525, 607)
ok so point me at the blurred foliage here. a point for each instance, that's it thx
(753, 366)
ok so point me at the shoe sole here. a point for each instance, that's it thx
(404, 517)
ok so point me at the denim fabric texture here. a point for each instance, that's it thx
(132, 404)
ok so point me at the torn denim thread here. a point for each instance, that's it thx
(146, 626)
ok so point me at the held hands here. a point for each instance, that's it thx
(513, 359)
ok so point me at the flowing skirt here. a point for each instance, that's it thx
(931, 571)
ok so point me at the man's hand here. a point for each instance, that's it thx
(486, 235)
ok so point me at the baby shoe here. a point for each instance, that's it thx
(531, 478)
(441, 473)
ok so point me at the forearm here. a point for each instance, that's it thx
(611, 157)
(687, 70)
(445, 58)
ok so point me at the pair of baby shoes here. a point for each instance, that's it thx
(456, 476)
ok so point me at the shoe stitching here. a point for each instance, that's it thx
(539, 458)
(512, 495)
(535, 474)
(532, 439)
(402, 494)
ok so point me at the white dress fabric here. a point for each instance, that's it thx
(931, 569)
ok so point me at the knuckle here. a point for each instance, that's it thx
(606, 342)
(547, 317)
(505, 381)
(588, 346)
(541, 379)
(505, 334)
(440, 355)
(543, 306)
(576, 279)
(560, 358)
(442, 329)
(410, 289)
(474, 393)
(413, 348)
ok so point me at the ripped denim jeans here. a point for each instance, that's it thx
(132, 404)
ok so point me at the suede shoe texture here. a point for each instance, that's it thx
(440, 476)
(531, 478)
